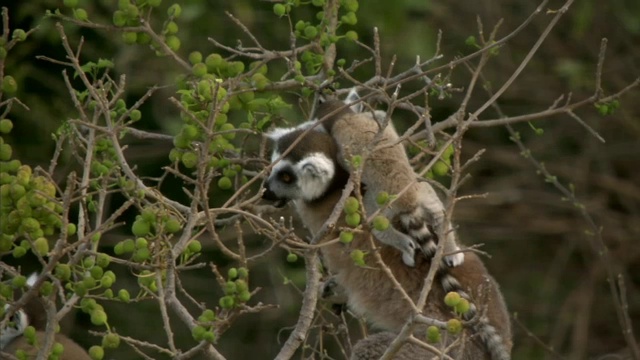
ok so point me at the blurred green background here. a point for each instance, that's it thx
(540, 255)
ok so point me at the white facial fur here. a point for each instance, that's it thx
(20, 322)
(313, 175)
(277, 133)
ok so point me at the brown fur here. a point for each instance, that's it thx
(384, 163)
(372, 294)
(72, 351)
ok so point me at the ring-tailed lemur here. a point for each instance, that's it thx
(311, 176)
(418, 209)
(33, 314)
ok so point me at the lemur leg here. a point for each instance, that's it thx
(451, 246)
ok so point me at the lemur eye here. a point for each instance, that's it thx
(286, 177)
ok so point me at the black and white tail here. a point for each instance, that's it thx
(480, 324)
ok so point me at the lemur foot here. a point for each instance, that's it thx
(455, 259)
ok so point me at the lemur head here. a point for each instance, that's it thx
(308, 171)
(21, 319)
(14, 328)
(331, 109)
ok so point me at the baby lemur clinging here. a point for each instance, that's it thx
(312, 177)
(417, 209)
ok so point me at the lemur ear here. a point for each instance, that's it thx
(353, 98)
(275, 134)
(317, 166)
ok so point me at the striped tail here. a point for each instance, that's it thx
(487, 333)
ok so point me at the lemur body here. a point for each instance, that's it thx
(313, 164)
(33, 314)
(417, 208)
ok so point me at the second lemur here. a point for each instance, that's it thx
(417, 209)
(311, 176)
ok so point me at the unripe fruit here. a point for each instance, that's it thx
(135, 115)
(198, 332)
(351, 35)
(5, 126)
(140, 227)
(5, 152)
(19, 34)
(98, 317)
(194, 246)
(243, 273)
(310, 32)
(291, 257)
(352, 220)
(358, 257)
(214, 62)
(46, 288)
(18, 252)
(172, 225)
(96, 352)
(224, 183)
(111, 341)
(440, 168)
(279, 9)
(209, 336)
(71, 3)
(71, 229)
(351, 205)
(106, 282)
(241, 285)
(380, 223)
(382, 198)
(232, 273)
(226, 302)
(346, 237)
(433, 334)
(199, 69)
(141, 255)
(174, 10)
(57, 349)
(129, 38)
(244, 296)
(173, 42)
(119, 18)
(452, 299)
(128, 245)
(29, 332)
(349, 18)
(171, 27)
(123, 295)
(189, 159)
(103, 260)
(454, 326)
(41, 246)
(350, 5)
(80, 14)
(195, 57)
(230, 288)
(463, 306)
(207, 315)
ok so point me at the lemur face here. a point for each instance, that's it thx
(14, 328)
(307, 171)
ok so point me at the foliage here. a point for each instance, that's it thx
(130, 181)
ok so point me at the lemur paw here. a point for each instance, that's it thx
(454, 260)
(429, 248)
(409, 259)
